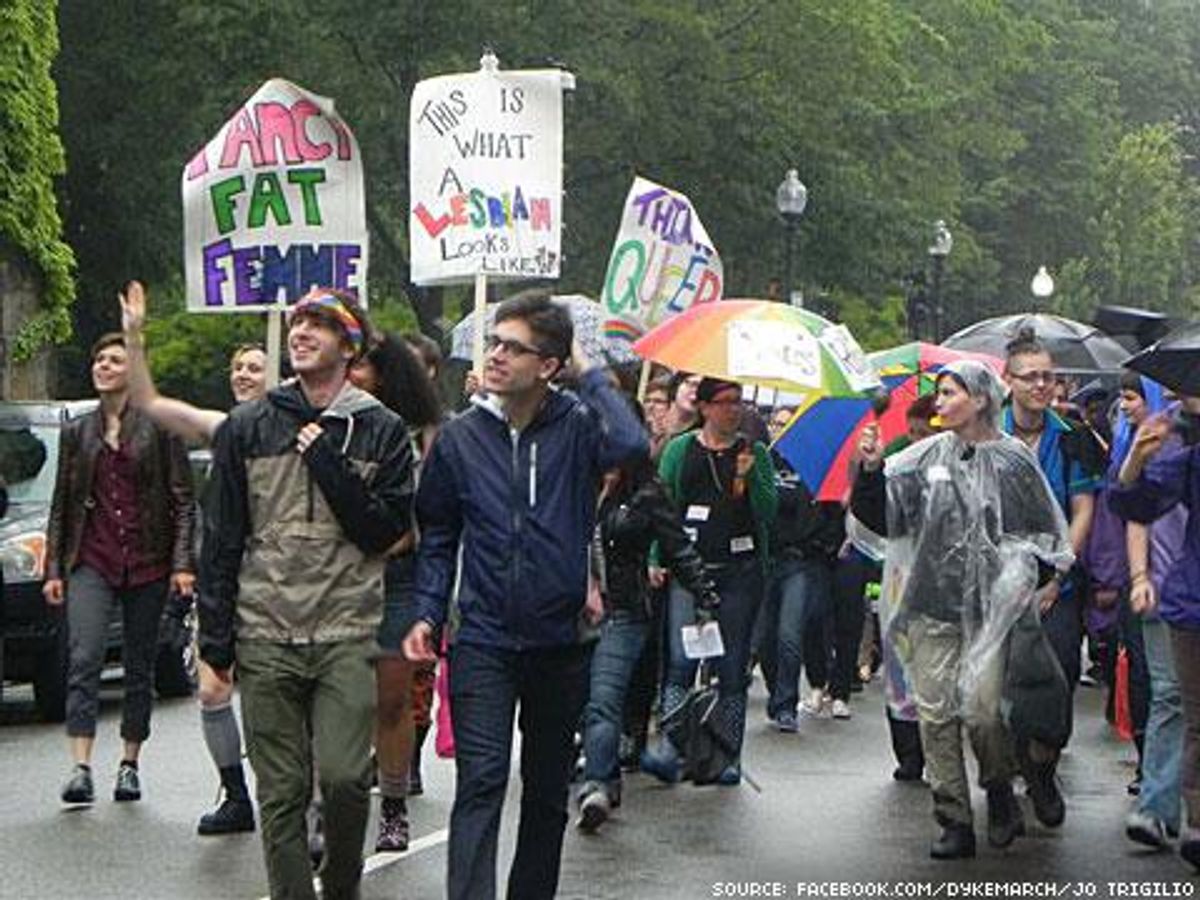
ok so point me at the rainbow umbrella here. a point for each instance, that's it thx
(822, 437)
(764, 343)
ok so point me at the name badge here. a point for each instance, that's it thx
(938, 473)
(697, 513)
(702, 642)
(742, 544)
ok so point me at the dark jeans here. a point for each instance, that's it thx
(616, 657)
(1185, 651)
(486, 687)
(849, 608)
(741, 589)
(797, 597)
(1063, 625)
(643, 688)
(90, 601)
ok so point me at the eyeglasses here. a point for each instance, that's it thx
(1043, 377)
(510, 346)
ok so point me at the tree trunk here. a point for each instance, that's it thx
(19, 295)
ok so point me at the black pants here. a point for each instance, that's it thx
(849, 607)
(487, 686)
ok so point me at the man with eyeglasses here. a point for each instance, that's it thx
(513, 483)
(1066, 455)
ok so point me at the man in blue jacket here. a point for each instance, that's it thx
(513, 481)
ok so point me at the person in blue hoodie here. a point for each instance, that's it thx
(511, 486)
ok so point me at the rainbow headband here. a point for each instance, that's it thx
(335, 308)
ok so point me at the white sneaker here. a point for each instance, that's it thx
(841, 709)
(816, 704)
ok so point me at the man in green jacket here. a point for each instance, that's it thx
(723, 486)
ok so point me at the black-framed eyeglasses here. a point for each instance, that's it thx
(1043, 377)
(510, 346)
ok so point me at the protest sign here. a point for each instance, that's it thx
(662, 262)
(274, 206)
(485, 170)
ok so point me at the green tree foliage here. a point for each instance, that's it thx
(31, 158)
(1023, 123)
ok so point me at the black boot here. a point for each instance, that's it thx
(1039, 769)
(957, 841)
(236, 812)
(415, 786)
(1005, 821)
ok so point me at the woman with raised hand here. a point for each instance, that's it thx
(247, 381)
(974, 536)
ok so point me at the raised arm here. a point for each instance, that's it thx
(192, 424)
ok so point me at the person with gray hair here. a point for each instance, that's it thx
(974, 535)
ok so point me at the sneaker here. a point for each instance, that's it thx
(594, 810)
(841, 709)
(662, 761)
(816, 704)
(786, 722)
(128, 786)
(231, 817)
(955, 842)
(1047, 799)
(1005, 823)
(1144, 828)
(79, 788)
(393, 826)
(731, 775)
(1189, 847)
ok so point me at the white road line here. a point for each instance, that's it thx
(377, 861)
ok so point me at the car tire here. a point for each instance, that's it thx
(50, 677)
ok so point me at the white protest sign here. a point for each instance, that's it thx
(273, 205)
(854, 363)
(663, 262)
(769, 350)
(485, 175)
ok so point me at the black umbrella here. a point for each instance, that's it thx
(1073, 345)
(1174, 361)
(1144, 326)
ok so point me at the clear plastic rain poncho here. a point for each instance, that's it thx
(967, 525)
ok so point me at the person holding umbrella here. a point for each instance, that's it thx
(974, 537)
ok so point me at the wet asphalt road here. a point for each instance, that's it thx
(828, 822)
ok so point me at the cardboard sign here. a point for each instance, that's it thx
(663, 261)
(485, 169)
(273, 206)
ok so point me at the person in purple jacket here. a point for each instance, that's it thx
(1155, 478)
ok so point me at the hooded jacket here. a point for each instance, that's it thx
(294, 544)
(522, 505)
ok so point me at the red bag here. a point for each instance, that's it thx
(1122, 713)
(443, 743)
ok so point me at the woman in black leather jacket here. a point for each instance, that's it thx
(634, 512)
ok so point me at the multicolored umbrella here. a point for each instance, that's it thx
(764, 343)
(823, 436)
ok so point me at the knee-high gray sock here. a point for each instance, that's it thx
(221, 735)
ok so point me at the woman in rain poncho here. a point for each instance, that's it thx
(973, 534)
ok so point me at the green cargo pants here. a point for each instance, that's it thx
(301, 701)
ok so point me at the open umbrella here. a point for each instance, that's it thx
(1073, 345)
(764, 343)
(1173, 361)
(821, 439)
(586, 315)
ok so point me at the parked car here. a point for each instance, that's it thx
(33, 635)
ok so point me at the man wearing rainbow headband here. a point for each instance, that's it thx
(310, 486)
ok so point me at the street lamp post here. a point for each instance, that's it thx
(1042, 285)
(790, 199)
(943, 242)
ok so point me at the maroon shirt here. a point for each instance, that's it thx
(111, 536)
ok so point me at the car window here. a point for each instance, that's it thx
(28, 461)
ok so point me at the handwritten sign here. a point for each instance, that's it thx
(662, 263)
(273, 205)
(485, 169)
(765, 350)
